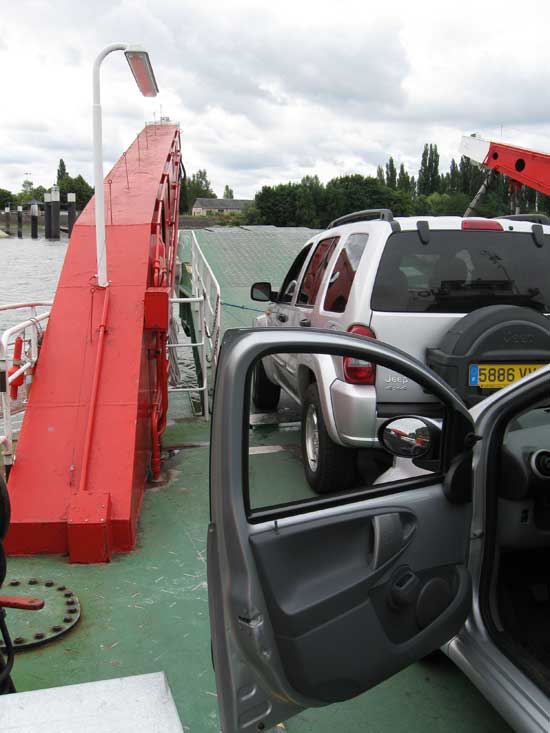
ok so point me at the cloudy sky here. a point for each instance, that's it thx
(270, 92)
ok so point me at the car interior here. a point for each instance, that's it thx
(518, 598)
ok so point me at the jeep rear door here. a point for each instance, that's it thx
(425, 285)
(305, 601)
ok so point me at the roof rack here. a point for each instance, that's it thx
(384, 214)
(533, 218)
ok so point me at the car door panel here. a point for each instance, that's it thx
(329, 588)
(323, 603)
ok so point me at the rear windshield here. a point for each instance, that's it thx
(458, 271)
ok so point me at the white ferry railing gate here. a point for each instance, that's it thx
(206, 306)
(30, 330)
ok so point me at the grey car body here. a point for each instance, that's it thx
(356, 279)
(439, 521)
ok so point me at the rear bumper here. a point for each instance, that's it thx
(357, 416)
(354, 410)
(396, 409)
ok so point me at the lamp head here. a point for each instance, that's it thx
(139, 62)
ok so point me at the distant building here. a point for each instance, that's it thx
(209, 207)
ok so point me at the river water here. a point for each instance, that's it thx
(29, 271)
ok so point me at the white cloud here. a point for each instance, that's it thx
(268, 94)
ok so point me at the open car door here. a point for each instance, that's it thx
(314, 602)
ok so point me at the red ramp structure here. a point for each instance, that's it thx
(98, 401)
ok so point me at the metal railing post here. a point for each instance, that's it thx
(205, 406)
(34, 337)
(7, 438)
(6, 362)
(207, 316)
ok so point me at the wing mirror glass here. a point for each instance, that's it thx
(408, 436)
(261, 291)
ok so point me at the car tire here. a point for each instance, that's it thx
(265, 394)
(328, 466)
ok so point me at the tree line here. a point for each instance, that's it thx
(432, 192)
(67, 184)
(312, 203)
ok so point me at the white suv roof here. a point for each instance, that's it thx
(409, 223)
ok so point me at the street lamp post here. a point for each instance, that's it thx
(142, 70)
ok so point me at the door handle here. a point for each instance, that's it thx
(281, 317)
(305, 323)
(387, 538)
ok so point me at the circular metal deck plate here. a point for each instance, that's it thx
(32, 628)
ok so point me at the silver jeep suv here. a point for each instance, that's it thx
(465, 296)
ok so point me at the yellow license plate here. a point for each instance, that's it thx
(494, 376)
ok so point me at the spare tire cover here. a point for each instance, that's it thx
(496, 334)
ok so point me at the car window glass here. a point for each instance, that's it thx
(315, 271)
(458, 271)
(343, 273)
(292, 455)
(289, 284)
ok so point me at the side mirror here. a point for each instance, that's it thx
(262, 292)
(409, 436)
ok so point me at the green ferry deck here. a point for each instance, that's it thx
(147, 611)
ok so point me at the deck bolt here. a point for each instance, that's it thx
(70, 602)
(67, 619)
(69, 594)
(73, 610)
(19, 640)
(49, 583)
(39, 635)
(62, 587)
(14, 582)
(33, 581)
(57, 628)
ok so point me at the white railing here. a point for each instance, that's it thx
(29, 330)
(198, 344)
(206, 286)
(205, 305)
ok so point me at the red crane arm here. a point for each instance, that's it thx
(528, 167)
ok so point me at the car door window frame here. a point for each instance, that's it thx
(242, 620)
(452, 447)
(339, 254)
(318, 276)
(302, 257)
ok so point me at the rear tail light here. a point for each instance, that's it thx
(478, 224)
(355, 370)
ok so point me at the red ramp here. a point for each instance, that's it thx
(99, 394)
